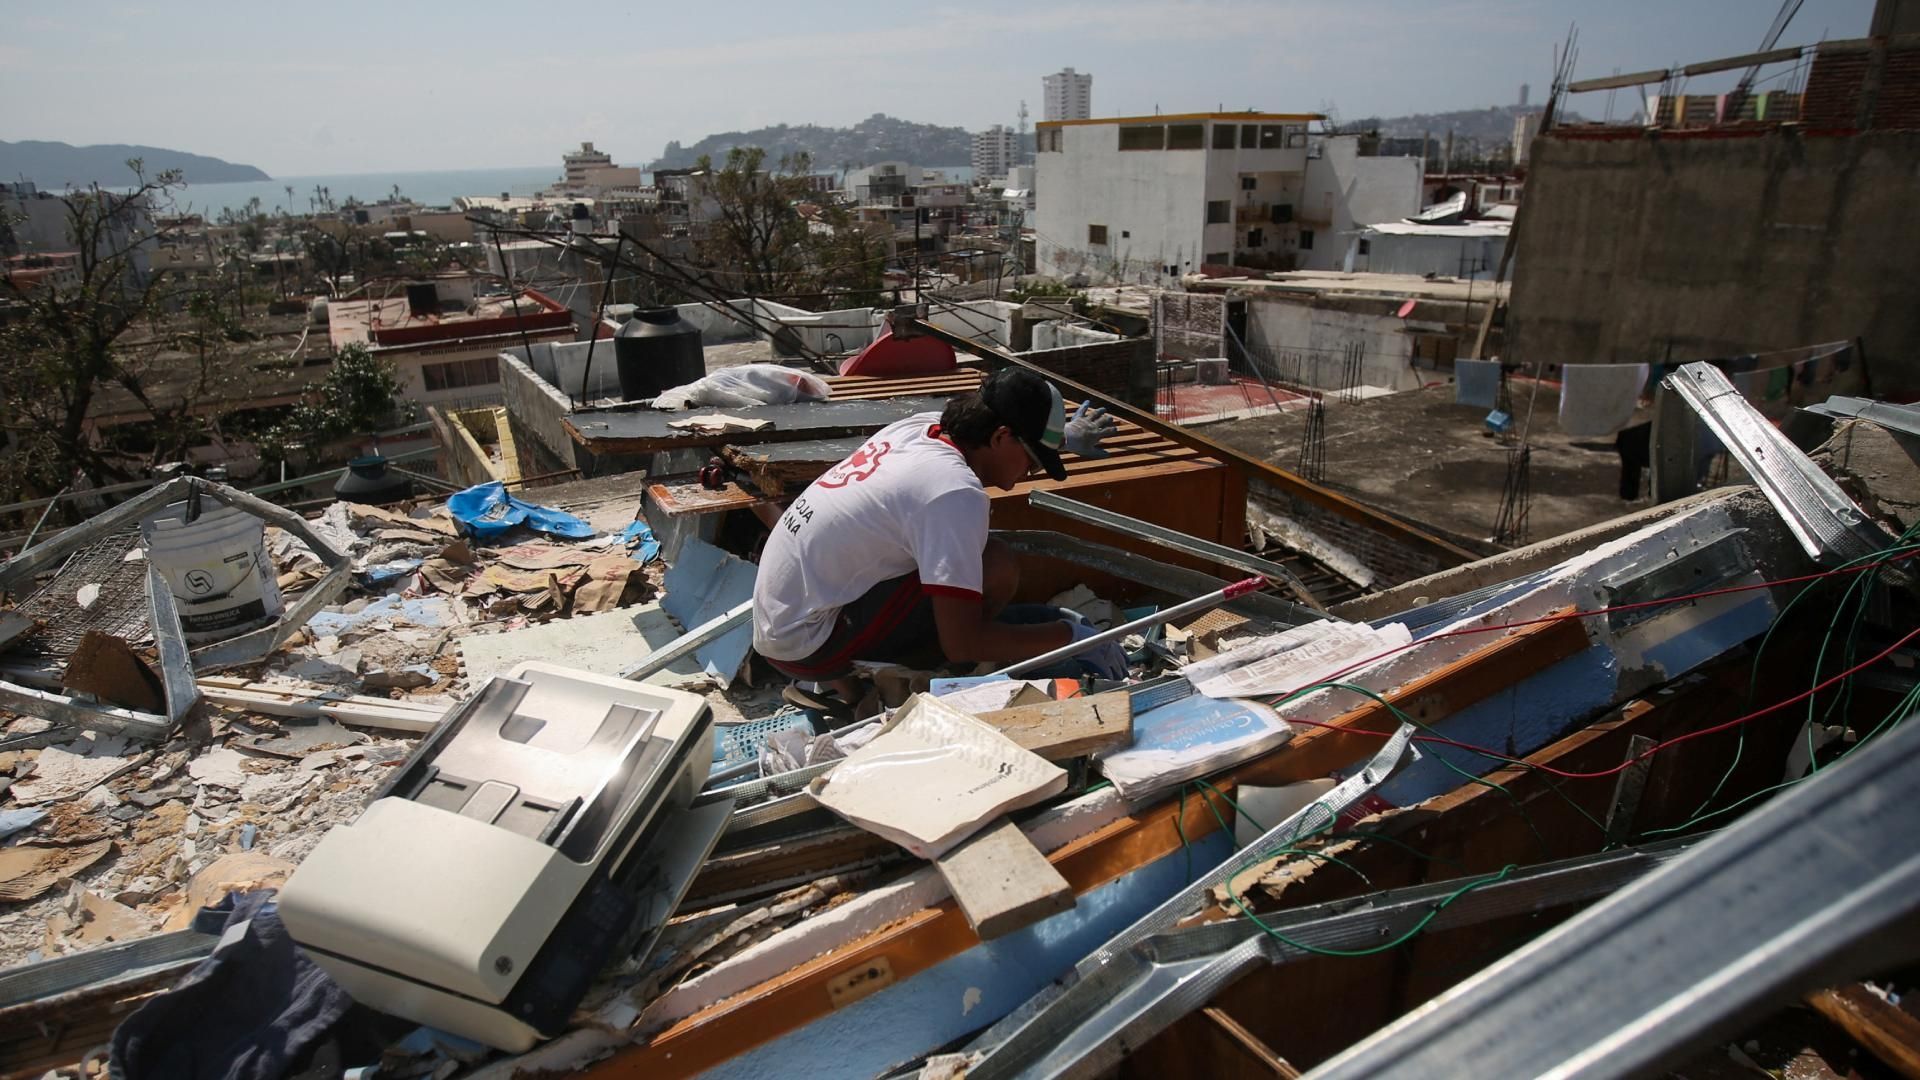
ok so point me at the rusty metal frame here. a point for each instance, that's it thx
(177, 663)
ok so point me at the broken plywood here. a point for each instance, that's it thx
(27, 870)
(1057, 730)
(788, 467)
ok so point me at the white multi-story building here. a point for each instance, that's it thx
(993, 151)
(1149, 199)
(579, 162)
(1067, 95)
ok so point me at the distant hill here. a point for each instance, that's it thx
(877, 138)
(1490, 125)
(56, 165)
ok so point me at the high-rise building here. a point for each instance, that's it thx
(1068, 95)
(993, 151)
(577, 163)
(1523, 94)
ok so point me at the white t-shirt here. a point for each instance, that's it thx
(904, 502)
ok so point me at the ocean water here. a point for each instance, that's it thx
(427, 188)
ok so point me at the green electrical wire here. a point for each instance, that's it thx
(1375, 950)
(1904, 708)
(1900, 546)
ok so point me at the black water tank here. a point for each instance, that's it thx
(368, 480)
(657, 350)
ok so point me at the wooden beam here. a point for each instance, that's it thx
(1245, 1039)
(1076, 727)
(1002, 882)
(1888, 1032)
(1280, 478)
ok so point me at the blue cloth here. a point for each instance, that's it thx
(1476, 383)
(640, 542)
(246, 1013)
(487, 512)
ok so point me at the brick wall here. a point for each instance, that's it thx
(1191, 326)
(1846, 73)
(1393, 561)
(1121, 369)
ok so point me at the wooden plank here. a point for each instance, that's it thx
(352, 709)
(1002, 882)
(677, 495)
(1057, 730)
(1887, 1031)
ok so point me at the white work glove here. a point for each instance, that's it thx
(1086, 429)
(1108, 660)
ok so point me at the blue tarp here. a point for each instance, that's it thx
(487, 512)
(640, 542)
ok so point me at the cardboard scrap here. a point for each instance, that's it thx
(103, 920)
(241, 871)
(542, 557)
(27, 870)
(377, 516)
(510, 579)
(108, 668)
(611, 581)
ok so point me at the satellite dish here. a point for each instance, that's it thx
(1406, 309)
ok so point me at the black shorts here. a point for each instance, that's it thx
(890, 623)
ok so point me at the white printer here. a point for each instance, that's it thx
(542, 831)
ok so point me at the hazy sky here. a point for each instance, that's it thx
(349, 87)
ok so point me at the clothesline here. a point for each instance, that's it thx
(1598, 400)
(1733, 365)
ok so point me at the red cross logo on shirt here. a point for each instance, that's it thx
(858, 467)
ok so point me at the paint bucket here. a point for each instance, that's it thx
(214, 558)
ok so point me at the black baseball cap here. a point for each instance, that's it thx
(1032, 409)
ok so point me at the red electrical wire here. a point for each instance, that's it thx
(1586, 613)
(1590, 612)
(1648, 752)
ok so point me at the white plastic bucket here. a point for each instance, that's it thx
(217, 567)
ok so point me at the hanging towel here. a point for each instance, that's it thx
(1476, 383)
(1597, 400)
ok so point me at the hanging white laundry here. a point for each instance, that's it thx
(1597, 400)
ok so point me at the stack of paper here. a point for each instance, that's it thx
(1294, 660)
